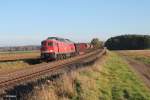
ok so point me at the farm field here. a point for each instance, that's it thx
(10, 61)
(8, 56)
(140, 55)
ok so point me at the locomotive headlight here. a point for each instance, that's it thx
(51, 50)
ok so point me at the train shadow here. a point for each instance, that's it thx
(31, 61)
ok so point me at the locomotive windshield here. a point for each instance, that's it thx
(45, 43)
(53, 38)
(50, 43)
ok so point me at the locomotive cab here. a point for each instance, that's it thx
(48, 49)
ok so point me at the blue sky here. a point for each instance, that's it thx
(24, 22)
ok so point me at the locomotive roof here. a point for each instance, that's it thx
(67, 40)
(55, 38)
(60, 39)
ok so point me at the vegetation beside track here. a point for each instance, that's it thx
(109, 79)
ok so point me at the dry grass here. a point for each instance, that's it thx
(42, 93)
(10, 66)
(65, 86)
(60, 89)
(76, 85)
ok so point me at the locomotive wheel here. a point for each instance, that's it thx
(57, 57)
(61, 56)
(65, 56)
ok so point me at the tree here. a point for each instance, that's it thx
(128, 42)
(96, 43)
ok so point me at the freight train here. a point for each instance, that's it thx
(55, 48)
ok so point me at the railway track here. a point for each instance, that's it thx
(9, 80)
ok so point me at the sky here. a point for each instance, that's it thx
(28, 22)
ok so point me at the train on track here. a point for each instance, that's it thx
(55, 48)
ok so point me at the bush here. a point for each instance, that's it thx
(96, 43)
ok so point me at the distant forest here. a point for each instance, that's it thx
(128, 42)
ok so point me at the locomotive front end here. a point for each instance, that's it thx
(48, 50)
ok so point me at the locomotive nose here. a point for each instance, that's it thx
(51, 50)
(47, 50)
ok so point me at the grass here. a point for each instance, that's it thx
(9, 66)
(115, 81)
(119, 82)
(109, 79)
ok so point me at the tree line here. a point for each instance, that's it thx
(128, 42)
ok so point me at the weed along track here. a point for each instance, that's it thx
(8, 81)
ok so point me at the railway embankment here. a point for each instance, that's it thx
(22, 77)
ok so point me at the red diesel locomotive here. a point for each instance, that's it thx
(54, 48)
(57, 48)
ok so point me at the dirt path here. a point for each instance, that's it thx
(141, 69)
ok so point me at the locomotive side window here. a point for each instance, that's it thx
(43, 43)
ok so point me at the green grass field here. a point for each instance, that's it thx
(115, 81)
(119, 82)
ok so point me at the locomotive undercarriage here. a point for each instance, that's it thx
(58, 56)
